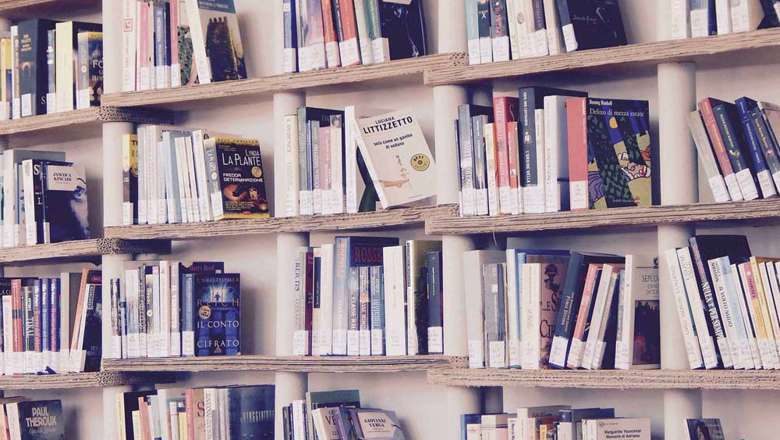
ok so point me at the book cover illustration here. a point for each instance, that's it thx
(41, 420)
(403, 25)
(93, 324)
(594, 23)
(241, 178)
(222, 37)
(647, 318)
(553, 276)
(375, 424)
(704, 429)
(188, 71)
(65, 199)
(397, 157)
(90, 78)
(251, 412)
(218, 314)
(619, 153)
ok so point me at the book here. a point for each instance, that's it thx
(66, 34)
(89, 81)
(65, 203)
(591, 24)
(34, 67)
(621, 150)
(638, 344)
(397, 157)
(418, 294)
(707, 158)
(403, 29)
(250, 412)
(473, 281)
(375, 424)
(328, 399)
(216, 40)
(218, 324)
(236, 178)
(704, 428)
(619, 428)
(41, 419)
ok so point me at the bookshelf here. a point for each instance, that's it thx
(81, 250)
(387, 219)
(293, 364)
(32, 382)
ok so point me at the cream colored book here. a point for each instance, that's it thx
(398, 158)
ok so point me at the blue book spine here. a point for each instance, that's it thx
(760, 168)
(45, 315)
(54, 319)
(218, 314)
(187, 312)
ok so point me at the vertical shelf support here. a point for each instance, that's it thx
(679, 185)
(289, 386)
(451, 38)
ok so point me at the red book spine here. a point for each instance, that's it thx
(705, 108)
(189, 409)
(514, 155)
(327, 22)
(309, 286)
(143, 413)
(587, 298)
(16, 299)
(504, 111)
(348, 22)
(577, 139)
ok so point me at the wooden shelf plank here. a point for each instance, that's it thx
(635, 54)
(78, 118)
(297, 364)
(18, 9)
(610, 379)
(391, 218)
(295, 81)
(79, 250)
(79, 380)
(449, 223)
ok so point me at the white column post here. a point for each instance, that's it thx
(452, 38)
(679, 185)
(289, 386)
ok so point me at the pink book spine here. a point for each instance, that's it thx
(576, 123)
(513, 142)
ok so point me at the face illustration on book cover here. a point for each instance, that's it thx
(66, 202)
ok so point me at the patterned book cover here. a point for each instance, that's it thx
(217, 296)
(620, 152)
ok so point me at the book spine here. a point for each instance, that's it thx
(554, 117)
(380, 44)
(480, 165)
(377, 311)
(500, 31)
(412, 281)
(93, 86)
(341, 296)
(697, 306)
(762, 309)
(760, 164)
(567, 27)
(565, 317)
(28, 179)
(435, 304)
(733, 324)
(199, 152)
(684, 311)
(501, 117)
(707, 158)
(472, 31)
(745, 178)
(199, 52)
(700, 18)
(348, 45)
(162, 45)
(364, 39)
(528, 160)
(475, 315)
(290, 55)
(188, 315)
(332, 56)
(755, 316)
(51, 68)
(513, 308)
(554, 36)
(212, 170)
(679, 23)
(364, 301)
(743, 300)
(174, 14)
(300, 335)
(492, 171)
(316, 166)
(483, 27)
(719, 146)
(304, 164)
(129, 45)
(539, 36)
(16, 107)
(82, 76)
(292, 188)
(723, 14)
(465, 148)
(494, 315)
(337, 189)
(576, 137)
(766, 141)
(353, 325)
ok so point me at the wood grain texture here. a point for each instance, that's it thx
(449, 223)
(93, 115)
(610, 379)
(635, 54)
(297, 364)
(391, 218)
(81, 250)
(281, 83)
(80, 380)
(18, 9)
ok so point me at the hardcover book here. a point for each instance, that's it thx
(398, 158)
(218, 322)
(33, 65)
(251, 412)
(37, 420)
(236, 178)
(216, 40)
(65, 198)
(620, 153)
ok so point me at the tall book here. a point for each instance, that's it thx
(473, 283)
(403, 30)
(66, 34)
(89, 81)
(34, 72)
(216, 40)
(311, 46)
(638, 342)
(706, 107)
(707, 157)
(218, 302)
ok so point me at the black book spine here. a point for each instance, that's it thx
(336, 10)
(539, 15)
(714, 324)
(484, 16)
(33, 74)
(529, 175)
(723, 118)
(38, 201)
(765, 140)
(51, 70)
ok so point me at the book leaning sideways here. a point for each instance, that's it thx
(398, 158)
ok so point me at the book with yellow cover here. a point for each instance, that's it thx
(236, 178)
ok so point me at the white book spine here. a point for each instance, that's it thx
(490, 159)
(761, 341)
(600, 304)
(742, 301)
(707, 158)
(291, 166)
(166, 303)
(31, 228)
(531, 319)
(684, 311)
(746, 15)
(183, 178)
(700, 22)
(771, 311)
(350, 155)
(472, 29)
(380, 50)
(513, 309)
(395, 321)
(332, 55)
(9, 200)
(723, 14)
(747, 185)
(128, 45)
(731, 318)
(192, 202)
(204, 205)
(679, 19)
(350, 52)
(485, 50)
(553, 24)
(199, 55)
(325, 323)
(554, 148)
(706, 342)
(364, 41)
(335, 195)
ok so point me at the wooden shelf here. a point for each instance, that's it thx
(81, 118)
(610, 379)
(390, 71)
(79, 380)
(80, 250)
(18, 9)
(391, 218)
(647, 54)
(297, 364)
(452, 224)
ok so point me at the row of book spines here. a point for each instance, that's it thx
(733, 322)
(738, 148)
(720, 18)
(42, 330)
(375, 310)
(174, 177)
(155, 314)
(49, 49)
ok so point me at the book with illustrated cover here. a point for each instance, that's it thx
(251, 412)
(66, 55)
(591, 24)
(638, 342)
(707, 429)
(375, 424)
(129, 179)
(620, 153)
(36, 420)
(403, 28)
(65, 198)
(89, 81)
(218, 314)
(33, 65)
(342, 399)
(188, 72)
(397, 157)
(236, 178)
(216, 40)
